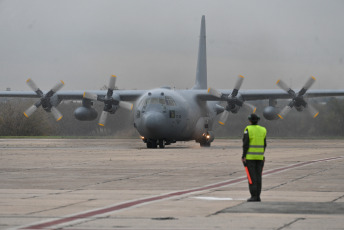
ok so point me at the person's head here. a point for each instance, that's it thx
(253, 118)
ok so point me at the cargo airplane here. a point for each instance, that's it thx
(163, 116)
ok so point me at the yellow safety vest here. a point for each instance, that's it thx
(257, 135)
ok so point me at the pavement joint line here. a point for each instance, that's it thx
(289, 224)
(97, 213)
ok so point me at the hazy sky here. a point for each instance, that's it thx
(153, 43)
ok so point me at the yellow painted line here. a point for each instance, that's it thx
(221, 123)
(26, 115)
(316, 115)
(62, 82)
(113, 76)
(241, 76)
(208, 90)
(313, 78)
(100, 124)
(279, 116)
(254, 111)
(84, 94)
(59, 118)
(131, 108)
(278, 81)
(28, 80)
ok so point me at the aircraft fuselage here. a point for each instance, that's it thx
(165, 115)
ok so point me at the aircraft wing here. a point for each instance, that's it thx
(252, 95)
(125, 95)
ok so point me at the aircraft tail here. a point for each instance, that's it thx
(201, 72)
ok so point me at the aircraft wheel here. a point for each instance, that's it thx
(204, 144)
(152, 144)
(161, 144)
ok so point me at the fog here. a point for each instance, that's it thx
(154, 43)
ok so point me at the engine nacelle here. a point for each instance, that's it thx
(85, 113)
(270, 113)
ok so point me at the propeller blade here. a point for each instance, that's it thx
(125, 105)
(90, 96)
(58, 116)
(250, 106)
(214, 92)
(58, 86)
(284, 112)
(224, 117)
(308, 84)
(34, 87)
(313, 111)
(30, 111)
(283, 85)
(237, 85)
(103, 117)
(32, 84)
(286, 88)
(112, 82)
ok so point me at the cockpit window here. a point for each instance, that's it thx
(170, 101)
(154, 100)
(160, 100)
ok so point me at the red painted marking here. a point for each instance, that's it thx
(162, 197)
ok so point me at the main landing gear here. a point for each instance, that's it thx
(153, 143)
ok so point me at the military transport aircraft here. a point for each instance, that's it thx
(163, 116)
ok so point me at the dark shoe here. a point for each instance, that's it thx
(253, 199)
(258, 199)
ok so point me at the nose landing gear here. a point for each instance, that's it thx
(206, 139)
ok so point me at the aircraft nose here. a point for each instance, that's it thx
(154, 122)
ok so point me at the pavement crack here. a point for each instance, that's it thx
(290, 223)
(63, 206)
(221, 211)
(296, 179)
(338, 198)
(148, 174)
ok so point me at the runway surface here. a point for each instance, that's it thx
(119, 184)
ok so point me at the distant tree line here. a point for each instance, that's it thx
(329, 123)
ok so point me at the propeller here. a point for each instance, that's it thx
(111, 101)
(45, 100)
(298, 100)
(234, 103)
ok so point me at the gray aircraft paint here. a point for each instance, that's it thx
(188, 119)
(201, 71)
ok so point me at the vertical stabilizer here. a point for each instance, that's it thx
(201, 72)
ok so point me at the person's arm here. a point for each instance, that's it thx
(264, 147)
(264, 143)
(246, 144)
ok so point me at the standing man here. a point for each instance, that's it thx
(254, 144)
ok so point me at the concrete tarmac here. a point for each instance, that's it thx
(119, 184)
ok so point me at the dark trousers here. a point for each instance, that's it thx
(255, 168)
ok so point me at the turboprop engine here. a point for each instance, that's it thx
(270, 113)
(86, 112)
